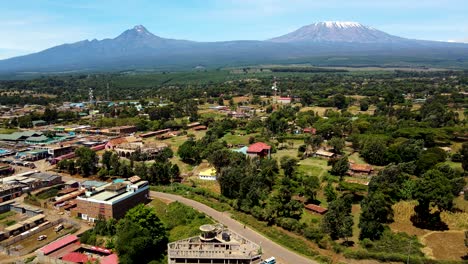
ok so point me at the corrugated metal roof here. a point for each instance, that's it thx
(111, 259)
(258, 147)
(58, 244)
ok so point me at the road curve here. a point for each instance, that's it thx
(269, 248)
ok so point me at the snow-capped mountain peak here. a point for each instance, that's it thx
(340, 24)
(337, 31)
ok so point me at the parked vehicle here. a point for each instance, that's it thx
(271, 260)
(41, 237)
(58, 228)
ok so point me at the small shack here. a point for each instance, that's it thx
(316, 209)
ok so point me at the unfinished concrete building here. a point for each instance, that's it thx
(216, 245)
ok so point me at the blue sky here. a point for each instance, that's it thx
(32, 25)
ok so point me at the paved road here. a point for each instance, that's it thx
(269, 248)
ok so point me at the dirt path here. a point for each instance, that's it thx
(269, 248)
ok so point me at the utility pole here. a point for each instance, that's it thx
(108, 98)
(409, 251)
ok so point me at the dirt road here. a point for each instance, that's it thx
(270, 248)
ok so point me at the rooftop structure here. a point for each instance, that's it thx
(324, 154)
(215, 244)
(208, 174)
(259, 149)
(360, 169)
(316, 208)
(111, 200)
(69, 250)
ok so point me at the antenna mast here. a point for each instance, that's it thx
(275, 89)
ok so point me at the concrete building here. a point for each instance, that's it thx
(216, 245)
(10, 191)
(111, 200)
(208, 174)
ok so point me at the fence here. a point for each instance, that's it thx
(5, 244)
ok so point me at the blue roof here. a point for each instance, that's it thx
(241, 150)
(92, 183)
(118, 180)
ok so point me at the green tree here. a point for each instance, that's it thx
(337, 144)
(464, 154)
(189, 152)
(289, 165)
(314, 142)
(434, 191)
(338, 221)
(141, 237)
(374, 151)
(330, 192)
(87, 161)
(106, 159)
(340, 167)
(339, 101)
(310, 185)
(376, 210)
(364, 105)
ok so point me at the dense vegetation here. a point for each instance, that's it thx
(399, 122)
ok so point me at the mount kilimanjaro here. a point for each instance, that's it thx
(322, 43)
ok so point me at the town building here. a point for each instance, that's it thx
(284, 100)
(68, 249)
(324, 154)
(316, 209)
(360, 169)
(216, 245)
(60, 150)
(123, 130)
(259, 149)
(309, 130)
(10, 191)
(111, 200)
(148, 151)
(208, 174)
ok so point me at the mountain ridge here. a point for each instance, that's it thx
(138, 48)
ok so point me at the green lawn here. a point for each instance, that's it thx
(236, 139)
(356, 158)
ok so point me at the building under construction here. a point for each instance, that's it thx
(216, 245)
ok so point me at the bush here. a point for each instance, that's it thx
(289, 224)
(314, 234)
(387, 257)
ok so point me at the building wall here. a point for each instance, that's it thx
(121, 208)
(90, 209)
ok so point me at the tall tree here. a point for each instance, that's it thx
(289, 165)
(434, 191)
(141, 237)
(376, 210)
(338, 221)
(87, 160)
(337, 144)
(340, 167)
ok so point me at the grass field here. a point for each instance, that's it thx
(7, 130)
(181, 220)
(449, 245)
(439, 244)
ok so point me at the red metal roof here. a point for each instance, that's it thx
(111, 259)
(75, 257)
(258, 147)
(58, 244)
(98, 147)
(316, 208)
